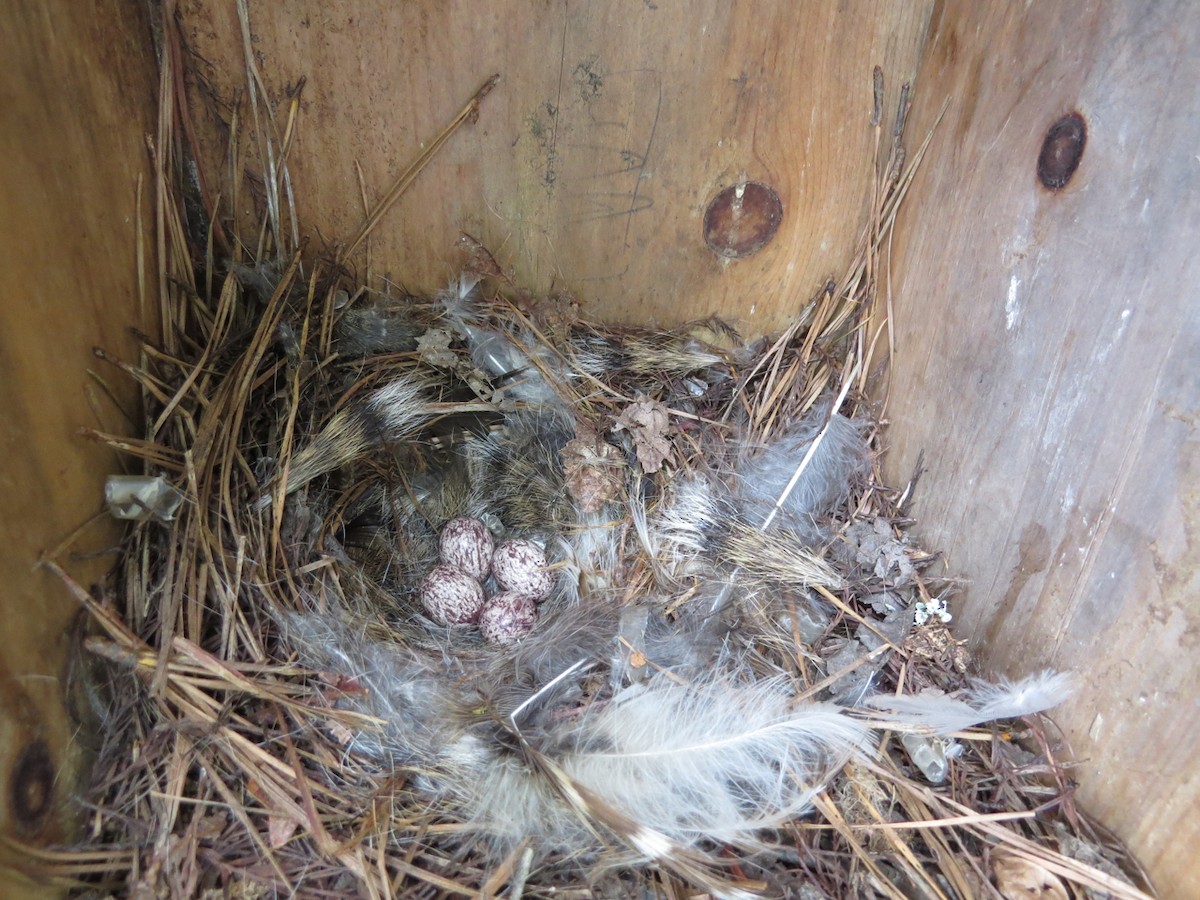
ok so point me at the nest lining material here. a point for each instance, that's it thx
(725, 692)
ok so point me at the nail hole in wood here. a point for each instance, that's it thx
(31, 785)
(742, 219)
(1061, 151)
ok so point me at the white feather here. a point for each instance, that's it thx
(692, 756)
(704, 761)
(711, 759)
(494, 351)
(1012, 699)
(984, 702)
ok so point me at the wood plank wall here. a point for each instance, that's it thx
(76, 102)
(613, 126)
(1048, 365)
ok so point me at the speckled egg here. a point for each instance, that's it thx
(451, 597)
(520, 566)
(507, 618)
(466, 544)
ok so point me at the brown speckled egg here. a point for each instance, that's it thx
(451, 597)
(467, 545)
(520, 566)
(507, 618)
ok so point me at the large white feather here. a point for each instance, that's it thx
(696, 759)
(711, 760)
(705, 761)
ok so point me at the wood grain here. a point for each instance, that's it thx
(1046, 364)
(613, 126)
(75, 104)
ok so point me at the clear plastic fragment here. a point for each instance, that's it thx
(928, 754)
(140, 497)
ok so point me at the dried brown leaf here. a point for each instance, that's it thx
(280, 830)
(343, 735)
(1023, 879)
(648, 423)
(434, 347)
(210, 827)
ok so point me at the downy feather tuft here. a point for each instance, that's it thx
(763, 472)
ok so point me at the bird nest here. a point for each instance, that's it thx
(722, 666)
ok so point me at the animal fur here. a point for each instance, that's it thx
(364, 331)
(391, 413)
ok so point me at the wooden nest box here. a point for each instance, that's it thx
(1041, 283)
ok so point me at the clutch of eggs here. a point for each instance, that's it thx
(452, 593)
